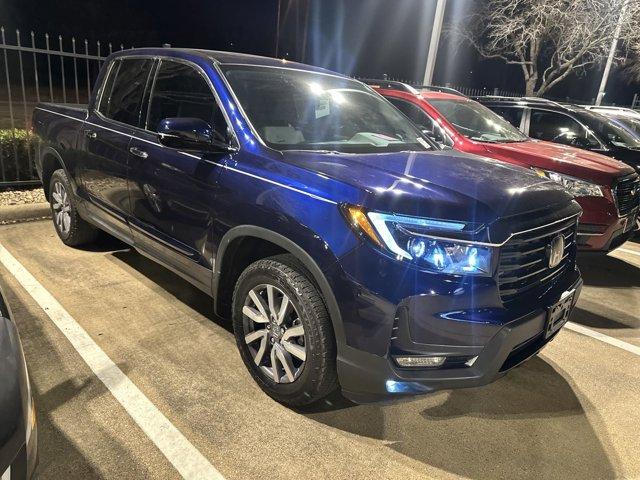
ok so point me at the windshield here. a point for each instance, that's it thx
(477, 122)
(299, 110)
(609, 131)
(629, 123)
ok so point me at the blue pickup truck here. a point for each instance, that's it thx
(348, 250)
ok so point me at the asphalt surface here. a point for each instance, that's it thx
(572, 412)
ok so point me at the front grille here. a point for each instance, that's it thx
(524, 263)
(627, 193)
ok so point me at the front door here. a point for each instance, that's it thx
(173, 193)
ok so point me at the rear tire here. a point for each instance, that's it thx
(70, 227)
(289, 351)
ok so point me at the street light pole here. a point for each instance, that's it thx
(277, 46)
(612, 53)
(438, 19)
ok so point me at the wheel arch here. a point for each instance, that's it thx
(226, 254)
(52, 161)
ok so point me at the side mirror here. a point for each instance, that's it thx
(189, 134)
(436, 138)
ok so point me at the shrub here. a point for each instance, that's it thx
(17, 154)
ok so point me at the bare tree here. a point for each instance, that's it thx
(548, 39)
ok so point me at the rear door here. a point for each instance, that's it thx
(173, 193)
(105, 138)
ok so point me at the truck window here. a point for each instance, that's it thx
(180, 90)
(124, 90)
(418, 116)
(513, 115)
(560, 128)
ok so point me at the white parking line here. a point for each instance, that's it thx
(603, 338)
(186, 459)
(626, 250)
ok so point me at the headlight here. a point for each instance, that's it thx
(420, 241)
(575, 186)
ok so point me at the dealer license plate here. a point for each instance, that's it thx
(558, 314)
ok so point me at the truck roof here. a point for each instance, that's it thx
(222, 58)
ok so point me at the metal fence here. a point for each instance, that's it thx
(39, 68)
(468, 91)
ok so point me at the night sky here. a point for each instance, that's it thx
(365, 38)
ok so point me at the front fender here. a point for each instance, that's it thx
(312, 244)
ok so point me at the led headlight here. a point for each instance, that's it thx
(423, 242)
(575, 186)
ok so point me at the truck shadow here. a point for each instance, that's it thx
(606, 300)
(608, 271)
(529, 424)
(173, 285)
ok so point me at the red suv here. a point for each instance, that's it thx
(607, 190)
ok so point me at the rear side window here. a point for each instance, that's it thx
(180, 91)
(124, 90)
(560, 128)
(513, 115)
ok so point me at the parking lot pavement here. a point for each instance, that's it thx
(610, 301)
(572, 412)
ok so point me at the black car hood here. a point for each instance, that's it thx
(12, 392)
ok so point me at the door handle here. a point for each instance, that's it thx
(138, 153)
(90, 134)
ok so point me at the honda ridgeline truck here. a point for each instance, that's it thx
(349, 251)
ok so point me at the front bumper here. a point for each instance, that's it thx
(600, 228)
(497, 344)
(604, 238)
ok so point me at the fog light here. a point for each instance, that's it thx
(418, 362)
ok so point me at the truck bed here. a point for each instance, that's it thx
(56, 124)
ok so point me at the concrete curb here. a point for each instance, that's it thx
(24, 213)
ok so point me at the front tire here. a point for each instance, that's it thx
(284, 332)
(70, 227)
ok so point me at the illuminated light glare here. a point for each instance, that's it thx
(338, 97)
(417, 247)
(315, 88)
(437, 258)
(405, 387)
(472, 260)
(417, 221)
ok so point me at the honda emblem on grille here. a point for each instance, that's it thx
(555, 251)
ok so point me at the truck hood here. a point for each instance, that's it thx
(563, 159)
(441, 184)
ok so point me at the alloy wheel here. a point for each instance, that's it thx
(274, 333)
(61, 208)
